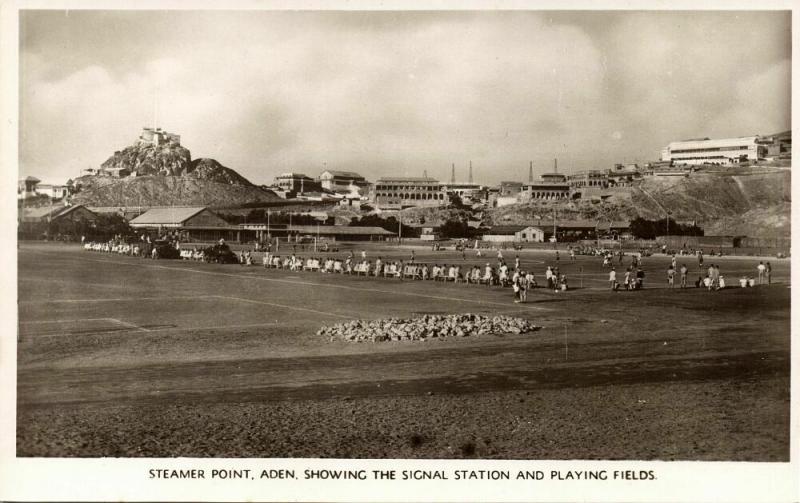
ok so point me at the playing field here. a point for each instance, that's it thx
(120, 356)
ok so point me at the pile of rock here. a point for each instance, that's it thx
(426, 327)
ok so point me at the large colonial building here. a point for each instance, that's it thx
(719, 151)
(403, 192)
(587, 179)
(342, 181)
(549, 186)
(297, 182)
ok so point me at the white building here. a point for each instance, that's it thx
(157, 136)
(514, 234)
(342, 181)
(720, 151)
(52, 191)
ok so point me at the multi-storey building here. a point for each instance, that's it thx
(342, 181)
(719, 151)
(586, 179)
(297, 182)
(403, 192)
(549, 186)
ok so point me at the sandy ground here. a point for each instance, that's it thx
(127, 357)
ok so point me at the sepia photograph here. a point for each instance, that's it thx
(404, 234)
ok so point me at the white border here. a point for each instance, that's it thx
(30, 479)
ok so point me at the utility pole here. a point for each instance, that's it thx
(453, 174)
(555, 165)
(470, 171)
(530, 173)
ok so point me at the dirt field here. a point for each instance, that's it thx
(120, 356)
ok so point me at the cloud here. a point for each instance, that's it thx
(393, 93)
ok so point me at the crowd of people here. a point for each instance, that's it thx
(501, 274)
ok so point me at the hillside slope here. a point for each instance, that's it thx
(753, 204)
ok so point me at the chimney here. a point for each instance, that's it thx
(530, 173)
(425, 174)
(470, 171)
(453, 174)
(555, 165)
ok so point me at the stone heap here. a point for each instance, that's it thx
(426, 327)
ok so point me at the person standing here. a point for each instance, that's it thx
(412, 257)
(684, 271)
(612, 278)
(572, 254)
(768, 271)
(671, 276)
(762, 269)
(516, 262)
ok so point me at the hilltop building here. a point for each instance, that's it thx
(724, 151)
(402, 192)
(157, 137)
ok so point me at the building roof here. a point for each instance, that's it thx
(339, 230)
(508, 229)
(407, 179)
(30, 179)
(581, 224)
(342, 174)
(166, 216)
(294, 175)
(41, 213)
(715, 143)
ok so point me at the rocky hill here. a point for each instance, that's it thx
(156, 190)
(167, 175)
(756, 204)
(146, 159)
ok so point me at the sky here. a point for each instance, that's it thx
(397, 93)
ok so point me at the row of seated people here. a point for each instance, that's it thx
(194, 254)
(399, 270)
(112, 247)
